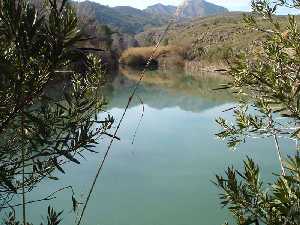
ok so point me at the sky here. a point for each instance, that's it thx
(232, 5)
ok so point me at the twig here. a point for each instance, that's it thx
(29, 202)
(279, 154)
(47, 198)
(275, 137)
(123, 115)
(140, 120)
(23, 173)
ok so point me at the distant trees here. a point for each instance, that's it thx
(269, 78)
(105, 33)
(49, 98)
(100, 34)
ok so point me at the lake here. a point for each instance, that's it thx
(164, 178)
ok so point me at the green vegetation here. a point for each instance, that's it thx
(126, 22)
(50, 95)
(207, 38)
(270, 80)
(210, 40)
(39, 131)
(130, 20)
(123, 19)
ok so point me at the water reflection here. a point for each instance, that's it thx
(171, 89)
(164, 178)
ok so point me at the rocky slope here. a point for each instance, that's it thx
(190, 9)
(201, 8)
(130, 20)
(160, 9)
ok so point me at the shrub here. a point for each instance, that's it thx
(40, 133)
(269, 78)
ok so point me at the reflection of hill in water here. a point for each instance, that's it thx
(171, 90)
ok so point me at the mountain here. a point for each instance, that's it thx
(190, 9)
(125, 19)
(160, 9)
(201, 8)
(130, 20)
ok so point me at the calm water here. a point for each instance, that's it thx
(164, 178)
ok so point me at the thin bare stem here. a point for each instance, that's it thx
(142, 74)
(140, 120)
(49, 197)
(23, 173)
(279, 154)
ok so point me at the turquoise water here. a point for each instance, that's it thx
(164, 178)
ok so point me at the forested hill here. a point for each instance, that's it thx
(122, 18)
(130, 20)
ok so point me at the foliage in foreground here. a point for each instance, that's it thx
(53, 218)
(268, 76)
(246, 196)
(49, 98)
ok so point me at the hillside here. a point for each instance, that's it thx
(210, 37)
(190, 9)
(201, 8)
(130, 20)
(161, 9)
(209, 42)
(123, 19)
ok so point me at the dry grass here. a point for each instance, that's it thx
(198, 67)
(136, 57)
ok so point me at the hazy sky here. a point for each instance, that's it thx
(232, 5)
